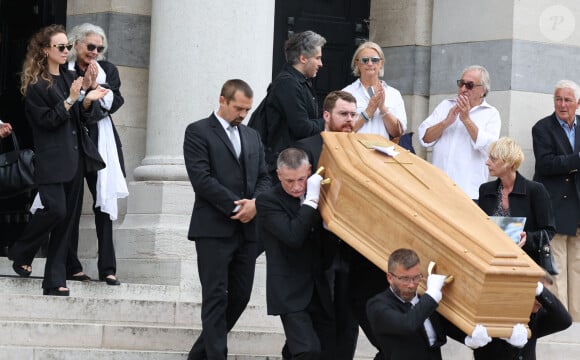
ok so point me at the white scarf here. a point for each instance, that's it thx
(111, 184)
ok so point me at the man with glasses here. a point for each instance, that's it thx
(339, 116)
(407, 325)
(460, 131)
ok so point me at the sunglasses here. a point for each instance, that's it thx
(92, 47)
(61, 47)
(468, 84)
(365, 60)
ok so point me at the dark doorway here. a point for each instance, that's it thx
(344, 24)
(18, 21)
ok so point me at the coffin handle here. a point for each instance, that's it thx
(431, 267)
(319, 172)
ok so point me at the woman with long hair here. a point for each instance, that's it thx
(58, 105)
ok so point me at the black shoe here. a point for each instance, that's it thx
(82, 277)
(20, 270)
(56, 292)
(110, 281)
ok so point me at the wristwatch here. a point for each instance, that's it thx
(69, 101)
(81, 96)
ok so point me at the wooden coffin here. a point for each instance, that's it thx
(378, 204)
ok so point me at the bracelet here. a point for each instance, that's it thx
(69, 101)
(365, 116)
(81, 96)
(386, 112)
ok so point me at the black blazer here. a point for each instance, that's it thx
(291, 113)
(290, 232)
(219, 178)
(552, 317)
(59, 136)
(557, 166)
(399, 328)
(529, 199)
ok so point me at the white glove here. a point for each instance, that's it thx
(312, 190)
(478, 337)
(435, 283)
(539, 289)
(519, 336)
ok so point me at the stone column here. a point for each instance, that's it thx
(195, 47)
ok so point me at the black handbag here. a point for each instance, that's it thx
(545, 255)
(16, 171)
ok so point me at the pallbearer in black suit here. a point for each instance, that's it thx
(339, 116)
(289, 224)
(407, 325)
(226, 167)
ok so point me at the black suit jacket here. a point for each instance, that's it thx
(552, 317)
(557, 166)
(290, 232)
(219, 178)
(399, 328)
(529, 199)
(60, 136)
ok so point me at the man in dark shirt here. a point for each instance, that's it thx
(291, 105)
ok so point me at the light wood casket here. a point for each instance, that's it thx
(378, 204)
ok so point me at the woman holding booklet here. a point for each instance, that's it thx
(513, 195)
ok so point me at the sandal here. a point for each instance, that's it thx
(22, 269)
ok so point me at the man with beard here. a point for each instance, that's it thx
(339, 116)
(461, 130)
(225, 163)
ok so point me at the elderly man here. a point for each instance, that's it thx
(461, 129)
(556, 148)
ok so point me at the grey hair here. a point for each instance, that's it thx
(367, 45)
(292, 158)
(304, 43)
(485, 79)
(79, 34)
(568, 84)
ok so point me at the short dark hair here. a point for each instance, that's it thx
(292, 158)
(231, 86)
(304, 43)
(333, 96)
(405, 257)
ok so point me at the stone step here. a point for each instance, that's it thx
(43, 353)
(158, 271)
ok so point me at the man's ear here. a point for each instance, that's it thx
(303, 59)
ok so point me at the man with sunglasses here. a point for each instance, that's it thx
(460, 131)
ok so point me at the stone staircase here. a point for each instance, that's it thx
(142, 319)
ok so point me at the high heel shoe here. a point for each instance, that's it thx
(56, 292)
(18, 268)
(110, 281)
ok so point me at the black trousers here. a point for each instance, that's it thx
(310, 333)
(107, 262)
(62, 202)
(226, 272)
